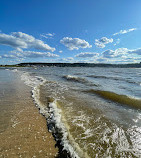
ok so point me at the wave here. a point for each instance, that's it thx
(94, 76)
(122, 99)
(57, 127)
(74, 78)
(113, 78)
(79, 80)
(53, 116)
(15, 70)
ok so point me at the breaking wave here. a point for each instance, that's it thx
(114, 78)
(75, 79)
(79, 80)
(79, 122)
(52, 114)
(122, 99)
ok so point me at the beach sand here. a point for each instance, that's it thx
(23, 130)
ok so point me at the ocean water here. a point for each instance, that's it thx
(92, 112)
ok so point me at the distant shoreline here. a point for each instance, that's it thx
(130, 65)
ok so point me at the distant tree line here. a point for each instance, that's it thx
(131, 65)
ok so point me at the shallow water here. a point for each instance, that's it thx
(7, 106)
(23, 131)
(96, 109)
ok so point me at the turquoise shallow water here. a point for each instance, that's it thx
(97, 110)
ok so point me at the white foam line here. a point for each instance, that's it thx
(57, 119)
(35, 83)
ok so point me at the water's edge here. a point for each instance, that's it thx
(85, 117)
(57, 134)
(54, 126)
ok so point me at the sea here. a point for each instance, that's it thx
(92, 112)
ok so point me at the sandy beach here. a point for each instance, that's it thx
(23, 130)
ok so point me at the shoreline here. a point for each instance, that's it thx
(26, 134)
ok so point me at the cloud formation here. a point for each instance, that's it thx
(136, 51)
(19, 40)
(48, 35)
(75, 43)
(60, 51)
(125, 31)
(9, 56)
(117, 42)
(121, 53)
(68, 60)
(87, 55)
(103, 41)
(28, 54)
(33, 54)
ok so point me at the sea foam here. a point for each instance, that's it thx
(53, 114)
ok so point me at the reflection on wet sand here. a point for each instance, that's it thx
(23, 131)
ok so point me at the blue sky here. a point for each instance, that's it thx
(99, 31)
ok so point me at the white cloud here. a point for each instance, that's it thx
(60, 51)
(47, 35)
(19, 40)
(68, 60)
(125, 60)
(120, 52)
(9, 56)
(87, 55)
(33, 54)
(29, 54)
(12, 41)
(109, 54)
(136, 51)
(50, 34)
(75, 43)
(103, 41)
(101, 60)
(120, 55)
(117, 42)
(125, 31)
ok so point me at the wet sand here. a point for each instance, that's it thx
(23, 131)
